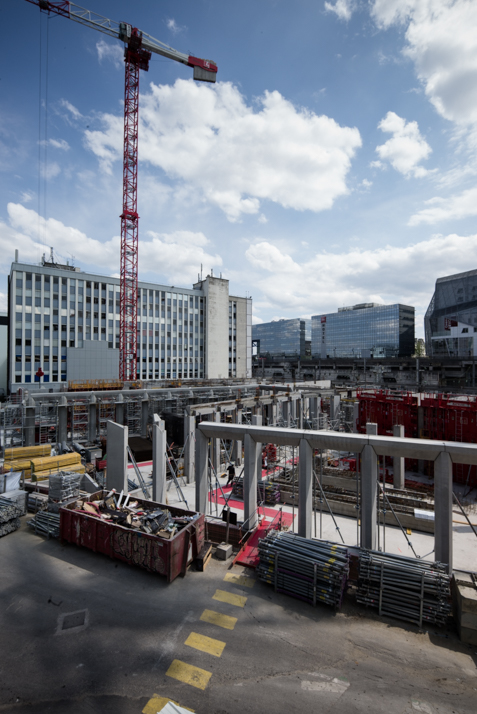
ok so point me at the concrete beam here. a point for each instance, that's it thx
(29, 435)
(159, 446)
(305, 492)
(116, 449)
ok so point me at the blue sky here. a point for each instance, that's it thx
(334, 162)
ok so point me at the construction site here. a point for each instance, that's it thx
(179, 532)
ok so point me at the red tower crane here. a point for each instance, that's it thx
(137, 53)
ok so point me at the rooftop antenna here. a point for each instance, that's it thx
(51, 255)
(201, 271)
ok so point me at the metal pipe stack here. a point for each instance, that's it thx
(407, 589)
(310, 570)
(9, 516)
(47, 524)
(64, 486)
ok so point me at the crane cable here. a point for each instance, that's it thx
(42, 170)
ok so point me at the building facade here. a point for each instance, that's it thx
(65, 323)
(451, 318)
(282, 337)
(365, 330)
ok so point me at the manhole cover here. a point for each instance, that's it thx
(72, 622)
(76, 619)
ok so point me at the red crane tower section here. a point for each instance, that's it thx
(138, 48)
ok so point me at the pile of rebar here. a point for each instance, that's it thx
(310, 570)
(9, 516)
(64, 486)
(407, 589)
(47, 524)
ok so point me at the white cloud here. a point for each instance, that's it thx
(26, 197)
(75, 113)
(444, 209)
(3, 302)
(343, 8)
(262, 218)
(176, 256)
(50, 170)
(236, 155)
(59, 144)
(255, 320)
(406, 148)
(112, 52)
(325, 281)
(173, 27)
(440, 37)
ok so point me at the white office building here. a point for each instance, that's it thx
(64, 323)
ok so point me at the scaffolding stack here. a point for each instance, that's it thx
(79, 421)
(313, 571)
(12, 425)
(133, 416)
(416, 591)
(106, 412)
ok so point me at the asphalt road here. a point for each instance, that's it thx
(281, 655)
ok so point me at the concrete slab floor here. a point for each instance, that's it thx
(282, 655)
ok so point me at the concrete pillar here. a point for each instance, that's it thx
(257, 421)
(92, 418)
(443, 509)
(159, 445)
(201, 471)
(355, 417)
(216, 446)
(299, 412)
(29, 436)
(398, 461)
(335, 403)
(144, 415)
(119, 411)
(420, 426)
(189, 450)
(313, 411)
(237, 447)
(305, 492)
(250, 482)
(116, 449)
(369, 492)
(285, 413)
(62, 434)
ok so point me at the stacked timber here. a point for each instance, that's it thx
(43, 468)
(19, 458)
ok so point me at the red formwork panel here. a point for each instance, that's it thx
(452, 419)
(166, 556)
(387, 409)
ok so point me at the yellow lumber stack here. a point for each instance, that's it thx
(43, 475)
(27, 452)
(58, 463)
(18, 465)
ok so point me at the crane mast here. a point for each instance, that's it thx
(137, 53)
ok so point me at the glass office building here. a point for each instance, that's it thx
(451, 318)
(282, 337)
(366, 330)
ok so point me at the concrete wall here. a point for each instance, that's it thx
(216, 328)
(243, 339)
(93, 361)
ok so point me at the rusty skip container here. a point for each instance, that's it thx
(166, 556)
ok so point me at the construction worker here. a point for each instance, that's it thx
(231, 470)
